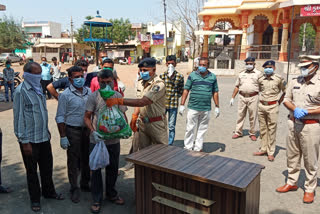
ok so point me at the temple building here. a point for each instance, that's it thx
(261, 29)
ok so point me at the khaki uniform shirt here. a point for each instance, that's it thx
(155, 90)
(270, 89)
(303, 95)
(247, 81)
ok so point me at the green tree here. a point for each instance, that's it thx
(84, 32)
(310, 35)
(120, 31)
(11, 35)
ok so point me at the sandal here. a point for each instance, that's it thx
(117, 200)
(57, 196)
(95, 207)
(5, 189)
(35, 206)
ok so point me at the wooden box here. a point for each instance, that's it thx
(171, 180)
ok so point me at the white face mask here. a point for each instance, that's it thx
(249, 67)
(306, 72)
(170, 70)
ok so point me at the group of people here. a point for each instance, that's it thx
(156, 97)
(302, 98)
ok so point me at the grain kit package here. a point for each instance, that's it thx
(111, 121)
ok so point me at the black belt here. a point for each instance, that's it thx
(76, 127)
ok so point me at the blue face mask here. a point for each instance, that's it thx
(145, 75)
(268, 71)
(34, 81)
(78, 82)
(202, 69)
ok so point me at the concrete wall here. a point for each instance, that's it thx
(55, 29)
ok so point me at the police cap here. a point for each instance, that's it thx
(270, 62)
(250, 59)
(148, 63)
(306, 60)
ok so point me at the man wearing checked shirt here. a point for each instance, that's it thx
(202, 85)
(174, 88)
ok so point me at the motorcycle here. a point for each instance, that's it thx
(17, 79)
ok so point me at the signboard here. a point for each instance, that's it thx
(310, 10)
(2, 7)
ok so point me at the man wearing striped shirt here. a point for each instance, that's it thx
(31, 129)
(202, 85)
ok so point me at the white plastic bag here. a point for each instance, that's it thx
(99, 157)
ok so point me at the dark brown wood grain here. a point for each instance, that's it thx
(233, 185)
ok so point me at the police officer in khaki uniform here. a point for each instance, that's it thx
(150, 106)
(303, 101)
(248, 88)
(270, 87)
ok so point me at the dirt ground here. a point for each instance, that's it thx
(217, 141)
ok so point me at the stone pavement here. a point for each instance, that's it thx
(217, 141)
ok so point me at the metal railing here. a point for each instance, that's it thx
(262, 51)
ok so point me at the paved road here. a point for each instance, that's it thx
(218, 141)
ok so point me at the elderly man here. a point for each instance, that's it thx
(94, 104)
(248, 88)
(74, 136)
(31, 128)
(270, 87)
(150, 106)
(174, 88)
(303, 102)
(46, 77)
(203, 86)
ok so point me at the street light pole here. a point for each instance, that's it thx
(165, 24)
(71, 35)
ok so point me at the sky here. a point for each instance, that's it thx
(60, 11)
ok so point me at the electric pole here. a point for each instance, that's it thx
(71, 35)
(165, 25)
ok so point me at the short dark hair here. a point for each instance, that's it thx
(108, 60)
(204, 59)
(54, 58)
(82, 63)
(74, 69)
(8, 62)
(29, 67)
(105, 73)
(44, 57)
(171, 58)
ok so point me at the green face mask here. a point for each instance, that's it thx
(8, 66)
(106, 92)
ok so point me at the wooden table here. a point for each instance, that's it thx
(170, 179)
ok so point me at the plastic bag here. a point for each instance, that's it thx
(112, 124)
(106, 92)
(99, 157)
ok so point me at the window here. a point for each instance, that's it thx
(171, 34)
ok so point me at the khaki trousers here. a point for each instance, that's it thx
(153, 133)
(303, 140)
(245, 104)
(268, 119)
